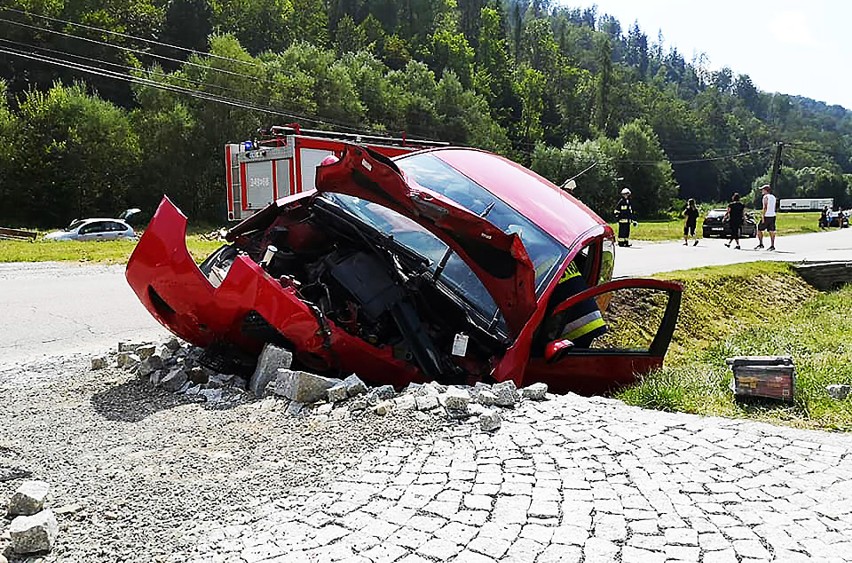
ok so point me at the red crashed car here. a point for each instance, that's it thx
(439, 264)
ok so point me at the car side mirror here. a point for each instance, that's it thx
(555, 349)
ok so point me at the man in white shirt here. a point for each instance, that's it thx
(767, 218)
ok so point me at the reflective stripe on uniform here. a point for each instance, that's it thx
(584, 325)
(570, 272)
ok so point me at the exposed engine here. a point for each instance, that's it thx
(359, 279)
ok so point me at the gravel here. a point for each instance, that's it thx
(143, 467)
(143, 457)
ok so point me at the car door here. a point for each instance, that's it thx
(640, 315)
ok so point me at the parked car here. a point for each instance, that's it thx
(94, 229)
(715, 224)
(437, 265)
(838, 219)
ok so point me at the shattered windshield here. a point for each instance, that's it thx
(546, 254)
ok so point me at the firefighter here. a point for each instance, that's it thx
(624, 214)
(583, 322)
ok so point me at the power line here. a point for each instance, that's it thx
(128, 36)
(197, 83)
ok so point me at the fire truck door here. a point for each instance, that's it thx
(258, 184)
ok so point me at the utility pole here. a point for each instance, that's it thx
(776, 165)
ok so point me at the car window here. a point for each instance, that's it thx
(546, 254)
(74, 224)
(117, 227)
(96, 227)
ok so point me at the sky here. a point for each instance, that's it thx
(792, 47)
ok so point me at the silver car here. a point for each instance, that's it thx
(96, 229)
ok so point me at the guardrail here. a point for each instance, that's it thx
(17, 234)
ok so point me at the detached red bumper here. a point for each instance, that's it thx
(169, 284)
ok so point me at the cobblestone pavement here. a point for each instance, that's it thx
(569, 479)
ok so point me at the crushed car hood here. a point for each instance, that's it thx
(498, 259)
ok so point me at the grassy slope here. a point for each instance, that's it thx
(788, 224)
(754, 309)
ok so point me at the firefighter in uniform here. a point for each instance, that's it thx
(624, 214)
(583, 322)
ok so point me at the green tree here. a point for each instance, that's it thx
(82, 157)
(645, 168)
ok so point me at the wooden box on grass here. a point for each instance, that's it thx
(773, 377)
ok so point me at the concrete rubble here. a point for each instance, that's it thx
(34, 534)
(175, 367)
(28, 499)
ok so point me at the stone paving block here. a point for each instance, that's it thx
(682, 553)
(468, 556)
(492, 547)
(724, 556)
(681, 536)
(440, 549)
(631, 554)
(28, 498)
(597, 549)
(750, 548)
(411, 539)
(33, 534)
(457, 532)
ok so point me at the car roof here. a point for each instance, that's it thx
(90, 219)
(563, 216)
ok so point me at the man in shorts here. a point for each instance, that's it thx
(767, 218)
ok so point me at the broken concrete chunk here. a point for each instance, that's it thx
(506, 393)
(127, 359)
(99, 362)
(383, 408)
(838, 392)
(535, 392)
(490, 420)
(29, 498)
(146, 351)
(303, 387)
(354, 385)
(212, 396)
(164, 352)
(486, 398)
(174, 380)
(426, 402)
(172, 344)
(216, 380)
(456, 399)
(294, 408)
(404, 402)
(383, 393)
(129, 346)
(337, 393)
(33, 534)
(271, 359)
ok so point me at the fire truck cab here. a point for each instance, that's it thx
(283, 159)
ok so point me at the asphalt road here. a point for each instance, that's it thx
(52, 309)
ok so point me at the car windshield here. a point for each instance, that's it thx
(716, 213)
(456, 275)
(74, 224)
(546, 254)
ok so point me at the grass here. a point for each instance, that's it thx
(754, 309)
(107, 252)
(672, 229)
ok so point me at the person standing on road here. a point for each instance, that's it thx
(823, 218)
(767, 219)
(691, 214)
(624, 214)
(734, 217)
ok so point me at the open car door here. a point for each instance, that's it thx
(640, 316)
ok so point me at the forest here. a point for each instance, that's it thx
(109, 104)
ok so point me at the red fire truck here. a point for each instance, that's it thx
(283, 160)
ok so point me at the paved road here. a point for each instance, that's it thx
(54, 309)
(59, 308)
(569, 479)
(645, 258)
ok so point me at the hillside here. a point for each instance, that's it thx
(107, 105)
